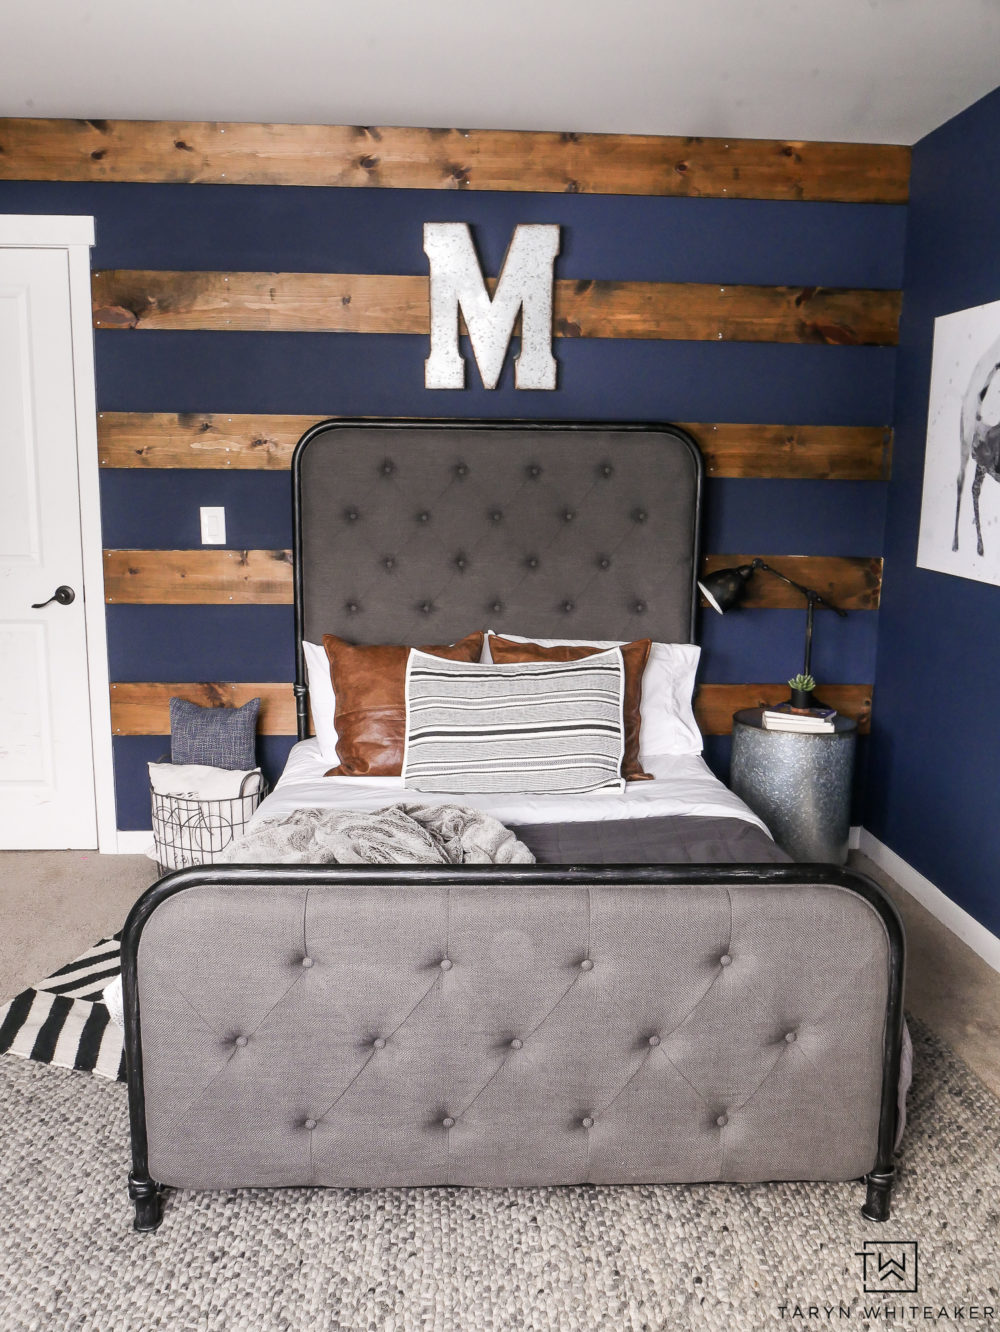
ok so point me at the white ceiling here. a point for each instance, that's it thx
(864, 70)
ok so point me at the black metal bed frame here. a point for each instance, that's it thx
(147, 1194)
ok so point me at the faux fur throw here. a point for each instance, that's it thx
(397, 835)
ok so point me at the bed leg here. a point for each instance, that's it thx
(879, 1194)
(148, 1205)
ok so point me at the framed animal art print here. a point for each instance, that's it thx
(960, 511)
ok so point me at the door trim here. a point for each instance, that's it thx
(31, 231)
(75, 235)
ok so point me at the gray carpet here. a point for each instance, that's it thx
(437, 1260)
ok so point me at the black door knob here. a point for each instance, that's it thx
(64, 595)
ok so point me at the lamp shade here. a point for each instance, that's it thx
(726, 588)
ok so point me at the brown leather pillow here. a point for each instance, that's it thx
(635, 655)
(369, 682)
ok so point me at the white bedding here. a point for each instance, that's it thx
(684, 784)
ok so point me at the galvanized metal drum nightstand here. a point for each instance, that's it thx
(799, 784)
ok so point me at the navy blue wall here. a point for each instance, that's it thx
(288, 229)
(935, 765)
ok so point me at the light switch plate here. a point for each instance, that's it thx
(213, 527)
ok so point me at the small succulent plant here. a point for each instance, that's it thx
(805, 683)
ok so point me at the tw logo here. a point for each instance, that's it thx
(890, 1266)
(524, 287)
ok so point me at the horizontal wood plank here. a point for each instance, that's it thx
(242, 441)
(264, 577)
(394, 303)
(247, 441)
(716, 703)
(260, 302)
(228, 153)
(830, 453)
(143, 709)
(850, 582)
(705, 311)
(198, 577)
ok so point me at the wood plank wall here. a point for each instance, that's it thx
(216, 153)
(374, 303)
(143, 709)
(452, 159)
(264, 577)
(215, 577)
(219, 440)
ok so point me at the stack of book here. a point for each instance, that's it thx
(810, 721)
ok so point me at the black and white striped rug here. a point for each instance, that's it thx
(63, 1020)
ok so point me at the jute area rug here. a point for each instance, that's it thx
(436, 1260)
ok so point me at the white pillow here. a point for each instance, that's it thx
(668, 725)
(322, 701)
(537, 726)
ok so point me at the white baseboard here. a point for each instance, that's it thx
(949, 913)
(134, 842)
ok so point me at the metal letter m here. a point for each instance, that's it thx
(524, 286)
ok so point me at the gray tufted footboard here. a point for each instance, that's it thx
(358, 1027)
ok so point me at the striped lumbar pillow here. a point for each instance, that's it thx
(527, 726)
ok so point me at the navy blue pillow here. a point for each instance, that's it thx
(218, 737)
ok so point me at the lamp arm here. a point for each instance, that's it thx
(813, 597)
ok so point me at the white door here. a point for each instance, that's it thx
(46, 752)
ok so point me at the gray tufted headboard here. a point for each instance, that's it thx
(424, 531)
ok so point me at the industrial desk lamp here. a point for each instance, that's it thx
(726, 588)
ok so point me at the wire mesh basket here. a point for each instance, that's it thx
(191, 831)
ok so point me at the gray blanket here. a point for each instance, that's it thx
(398, 835)
(673, 839)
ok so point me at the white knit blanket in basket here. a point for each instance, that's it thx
(198, 810)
